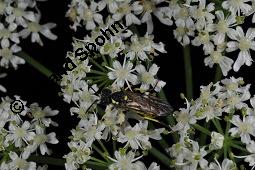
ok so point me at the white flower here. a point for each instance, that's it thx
(8, 57)
(92, 129)
(237, 6)
(112, 119)
(125, 161)
(204, 38)
(226, 165)
(89, 14)
(34, 28)
(202, 14)
(138, 136)
(4, 166)
(7, 34)
(18, 14)
(216, 141)
(250, 158)
(196, 156)
(20, 163)
(19, 134)
(125, 9)
(122, 74)
(147, 77)
(222, 27)
(216, 57)
(184, 119)
(163, 13)
(242, 42)
(80, 154)
(244, 128)
(182, 33)
(41, 139)
(137, 49)
(41, 116)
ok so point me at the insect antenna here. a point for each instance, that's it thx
(91, 105)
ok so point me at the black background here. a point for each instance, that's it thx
(32, 86)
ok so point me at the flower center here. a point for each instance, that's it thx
(18, 12)
(86, 96)
(182, 117)
(148, 6)
(40, 139)
(147, 78)
(204, 37)
(244, 44)
(21, 164)
(236, 3)
(222, 26)
(232, 86)
(33, 27)
(88, 14)
(122, 73)
(216, 56)
(4, 33)
(125, 9)
(245, 127)
(131, 134)
(233, 100)
(6, 53)
(183, 13)
(20, 133)
(197, 156)
(38, 114)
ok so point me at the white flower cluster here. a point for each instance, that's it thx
(19, 19)
(23, 134)
(226, 100)
(214, 25)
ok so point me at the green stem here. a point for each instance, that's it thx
(217, 125)
(103, 147)
(47, 160)
(98, 72)
(161, 157)
(202, 129)
(100, 152)
(96, 165)
(97, 160)
(45, 71)
(99, 66)
(203, 136)
(238, 147)
(218, 74)
(188, 72)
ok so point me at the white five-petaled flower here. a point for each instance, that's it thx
(243, 42)
(41, 139)
(196, 156)
(19, 134)
(20, 163)
(126, 9)
(216, 57)
(147, 77)
(125, 161)
(41, 116)
(222, 26)
(7, 54)
(89, 14)
(226, 165)
(237, 6)
(19, 14)
(122, 73)
(34, 28)
(244, 128)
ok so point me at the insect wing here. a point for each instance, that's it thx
(147, 104)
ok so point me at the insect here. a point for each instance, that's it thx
(147, 106)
